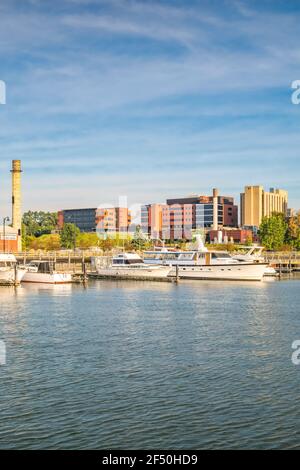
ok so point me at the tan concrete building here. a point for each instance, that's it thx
(257, 203)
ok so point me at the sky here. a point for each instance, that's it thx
(148, 99)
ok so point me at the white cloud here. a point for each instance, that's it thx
(101, 89)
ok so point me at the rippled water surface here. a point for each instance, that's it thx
(136, 365)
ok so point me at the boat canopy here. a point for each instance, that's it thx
(8, 258)
(42, 266)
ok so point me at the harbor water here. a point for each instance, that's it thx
(148, 365)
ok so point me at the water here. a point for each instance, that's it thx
(133, 365)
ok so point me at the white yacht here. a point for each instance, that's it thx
(186, 258)
(253, 254)
(208, 265)
(43, 272)
(203, 264)
(130, 265)
(10, 272)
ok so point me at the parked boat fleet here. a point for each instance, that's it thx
(197, 263)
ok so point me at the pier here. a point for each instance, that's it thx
(284, 262)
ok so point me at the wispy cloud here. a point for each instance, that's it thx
(176, 93)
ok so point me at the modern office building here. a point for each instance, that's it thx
(180, 216)
(84, 219)
(113, 219)
(152, 216)
(257, 203)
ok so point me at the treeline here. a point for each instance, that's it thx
(40, 232)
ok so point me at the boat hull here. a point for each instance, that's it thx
(7, 276)
(45, 278)
(147, 272)
(226, 272)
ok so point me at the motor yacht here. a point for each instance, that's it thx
(253, 254)
(130, 265)
(200, 263)
(43, 272)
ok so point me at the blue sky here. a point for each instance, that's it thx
(149, 99)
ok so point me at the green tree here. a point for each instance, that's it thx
(293, 233)
(69, 235)
(273, 231)
(139, 241)
(39, 223)
(49, 242)
(107, 244)
(87, 240)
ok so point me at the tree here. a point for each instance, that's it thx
(139, 241)
(52, 242)
(108, 244)
(249, 240)
(44, 242)
(293, 234)
(68, 236)
(273, 231)
(87, 240)
(39, 223)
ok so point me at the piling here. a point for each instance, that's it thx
(177, 273)
(15, 274)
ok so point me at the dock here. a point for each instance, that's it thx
(130, 277)
(284, 262)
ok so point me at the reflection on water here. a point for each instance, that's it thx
(124, 364)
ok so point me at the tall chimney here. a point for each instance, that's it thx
(16, 200)
(215, 208)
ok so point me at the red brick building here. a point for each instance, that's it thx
(241, 236)
(9, 244)
(178, 218)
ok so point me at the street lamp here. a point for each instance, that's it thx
(6, 219)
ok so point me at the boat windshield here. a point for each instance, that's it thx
(187, 256)
(127, 261)
(162, 255)
(220, 255)
(42, 267)
(6, 264)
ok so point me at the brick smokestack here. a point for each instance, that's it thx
(215, 208)
(16, 200)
